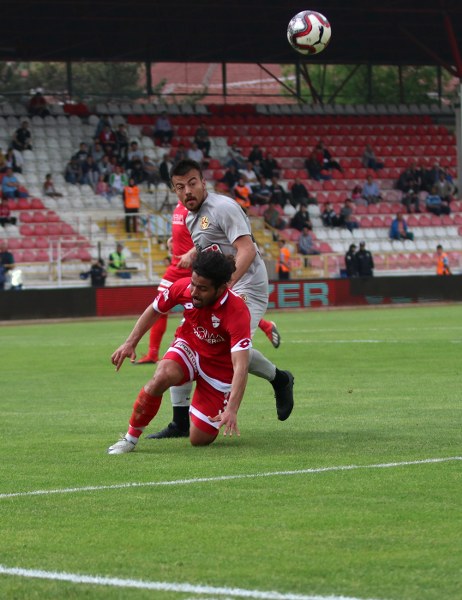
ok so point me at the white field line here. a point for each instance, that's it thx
(162, 586)
(120, 486)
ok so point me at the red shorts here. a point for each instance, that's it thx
(171, 275)
(210, 396)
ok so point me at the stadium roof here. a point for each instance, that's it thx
(391, 32)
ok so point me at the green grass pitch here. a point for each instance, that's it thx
(375, 388)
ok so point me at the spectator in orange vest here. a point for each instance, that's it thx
(132, 203)
(283, 262)
(242, 193)
(442, 262)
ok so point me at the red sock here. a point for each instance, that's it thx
(266, 327)
(144, 410)
(155, 337)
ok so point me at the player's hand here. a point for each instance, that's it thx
(228, 421)
(124, 351)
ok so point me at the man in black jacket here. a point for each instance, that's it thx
(364, 261)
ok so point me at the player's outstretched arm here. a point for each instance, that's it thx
(127, 349)
(228, 418)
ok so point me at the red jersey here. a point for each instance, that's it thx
(181, 238)
(212, 332)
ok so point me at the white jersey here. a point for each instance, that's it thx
(215, 226)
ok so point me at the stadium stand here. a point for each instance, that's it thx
(55, 238)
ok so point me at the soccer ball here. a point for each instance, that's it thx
(309, 32)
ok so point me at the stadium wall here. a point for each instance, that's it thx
(128, 301)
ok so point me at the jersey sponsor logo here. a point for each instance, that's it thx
(207, 336)
(215, 321)
(205, 223)
(177, 219)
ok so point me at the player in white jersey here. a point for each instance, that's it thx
(218, 223)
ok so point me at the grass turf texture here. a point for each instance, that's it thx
(372, 386)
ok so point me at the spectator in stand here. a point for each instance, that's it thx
(444, 187)
(442, 262)
(11, 188)
(82, 153)
(346, 217)
(241, 193)
(364, 261)
(202, 139)
(411, 178)
(289, 210)
(230, 177)
(14, 159)
(256, 154)
(117, 263)
(248, 173)
(102, 188)
(326, 159)
(278, 193)
(300, 194)
(270, 167)
(314, 165)
(102, 122)
(38, 106)
(399, 230)
(306, 242)
(261, 193)
(234, 157)
(3, 164)
(273, 217)
(351, 267)
(369, 160)
(195, 153)
(22, 139)
(283, 262)
(329, 216)
(301, 219)
(90, 172)
(132, 203)
(6, 263)
(357, 196)
(371, 191)
(435, 204)
(5, 214)
(134, 154)
(107, 140)
(121, 143)
(180, 154)
(163, 130)
(118, 181)
(410, 198)
(73, 172)
(97, 152)
(164, 169)
(257, 168)
(431, 177)
(151, 173)
(106, 168)
(49, 187)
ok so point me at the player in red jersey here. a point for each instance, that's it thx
(180, 244)
(211, 346)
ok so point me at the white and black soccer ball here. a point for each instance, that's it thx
(309, 32)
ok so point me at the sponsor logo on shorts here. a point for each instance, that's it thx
(187, 350)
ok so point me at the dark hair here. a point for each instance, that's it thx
(214, 266)
(184, 166)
